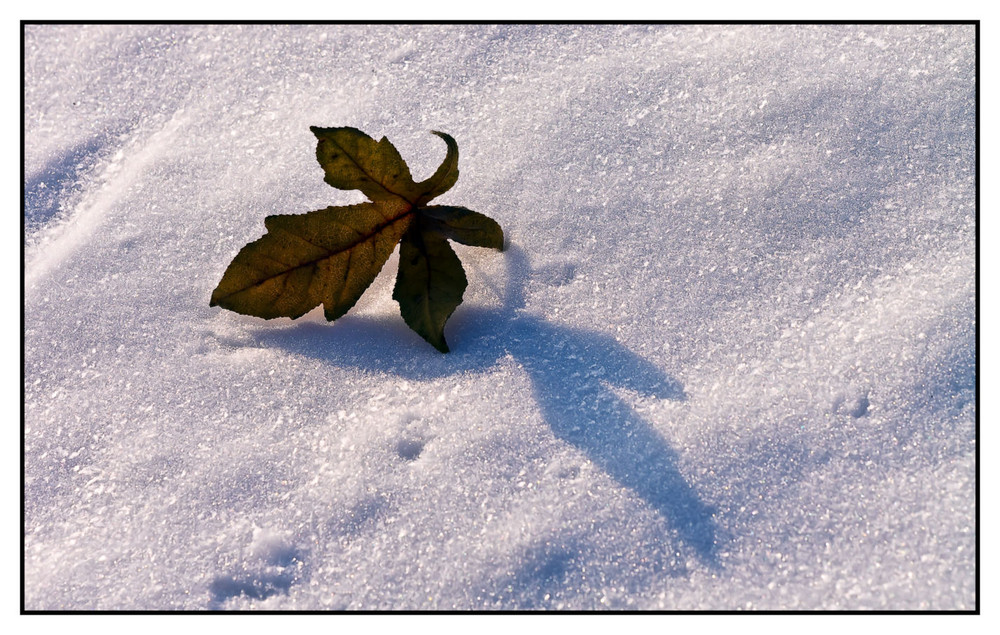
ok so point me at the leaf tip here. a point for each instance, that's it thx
(443, 346)
(444, 135)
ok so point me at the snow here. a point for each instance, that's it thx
(728, 361)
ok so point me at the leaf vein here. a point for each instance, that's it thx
(327, 255)
(347, 154)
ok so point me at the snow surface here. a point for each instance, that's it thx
(728, 361)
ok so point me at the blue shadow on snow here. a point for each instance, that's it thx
(570, 371)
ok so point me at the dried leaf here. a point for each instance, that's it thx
(332, 255)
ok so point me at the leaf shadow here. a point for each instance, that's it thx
(572, 373)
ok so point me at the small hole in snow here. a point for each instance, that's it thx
(409, 449)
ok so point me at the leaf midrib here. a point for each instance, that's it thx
(330, 254)
(370, 176)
